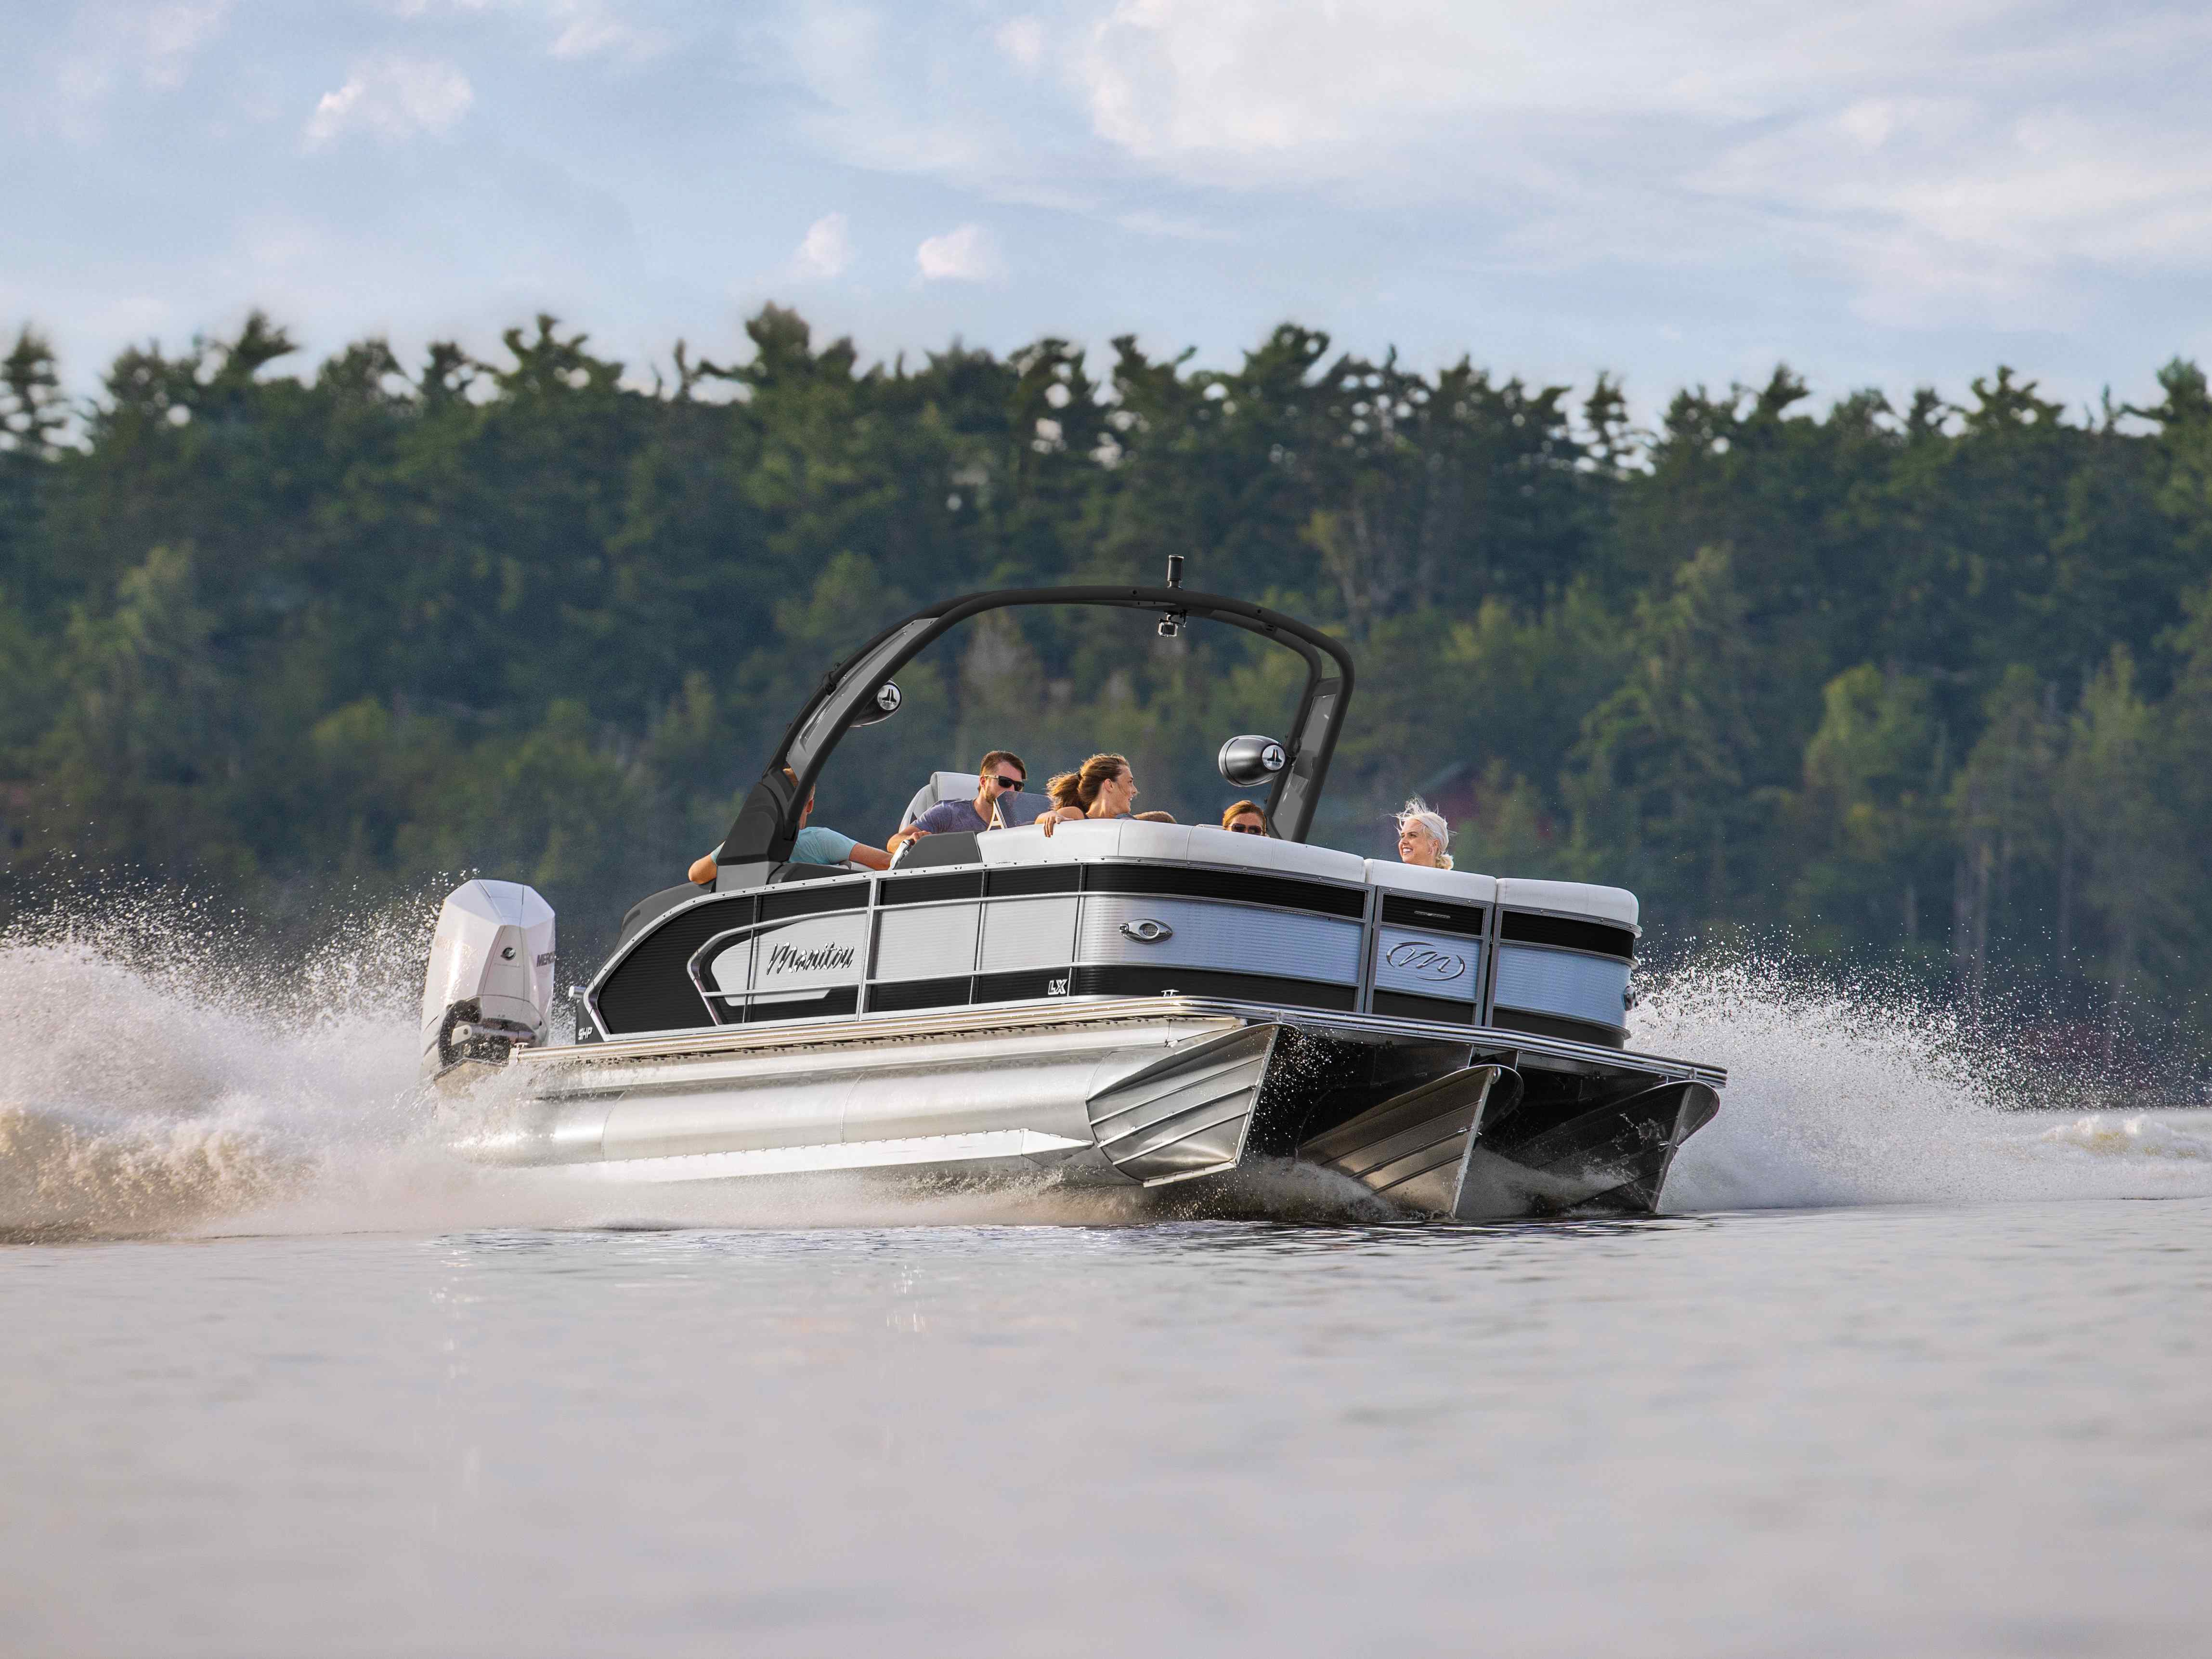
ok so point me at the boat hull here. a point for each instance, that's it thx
(1434, 1120)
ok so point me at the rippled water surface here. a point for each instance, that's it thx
(1843, 1431)
(1903, 1372)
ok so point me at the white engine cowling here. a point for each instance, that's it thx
(490, 981)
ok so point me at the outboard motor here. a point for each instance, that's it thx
(489, 988)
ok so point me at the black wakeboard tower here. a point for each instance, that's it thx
(767, 823)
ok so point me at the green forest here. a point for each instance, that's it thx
(1924, 690)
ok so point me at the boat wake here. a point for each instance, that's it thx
(157, 1075)
(1841, 1094)
(161, 1078)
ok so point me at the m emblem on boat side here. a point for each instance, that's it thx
(1148, 931)
(1425, 960)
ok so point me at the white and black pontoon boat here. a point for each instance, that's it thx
(1123, 1001)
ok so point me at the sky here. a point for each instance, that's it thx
(1681, 191)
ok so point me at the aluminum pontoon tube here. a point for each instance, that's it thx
(1150, 1091)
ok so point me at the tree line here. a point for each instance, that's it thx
(1927, 686)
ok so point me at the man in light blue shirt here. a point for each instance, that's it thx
(814, 844)
(819, 844)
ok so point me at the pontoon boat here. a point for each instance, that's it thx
(1120, 1002)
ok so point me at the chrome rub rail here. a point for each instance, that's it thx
(981, 1018)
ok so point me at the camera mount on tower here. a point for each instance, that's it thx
(1171, 621)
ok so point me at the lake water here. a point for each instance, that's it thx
(1898, 1373)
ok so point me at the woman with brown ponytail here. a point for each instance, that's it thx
(1103, 786)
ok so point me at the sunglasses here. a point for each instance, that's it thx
(1246, 829)
(1006, 782)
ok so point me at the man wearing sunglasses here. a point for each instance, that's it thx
(999, 772)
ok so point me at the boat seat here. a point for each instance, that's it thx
(1454, 886)
(1565, 951)
(1615, 905)
(1136, 838)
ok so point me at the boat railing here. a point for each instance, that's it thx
(1132, 908)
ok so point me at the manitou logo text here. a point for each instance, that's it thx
(789, 959)
(1427, 962)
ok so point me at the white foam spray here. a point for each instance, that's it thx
(160, 1077)
(1859, 1094)
(157, 1074)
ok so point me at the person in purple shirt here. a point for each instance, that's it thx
(1000, 771)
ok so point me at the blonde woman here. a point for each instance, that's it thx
(1423, 836)
(1103, 786)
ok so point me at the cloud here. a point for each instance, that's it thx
(71, 83)
(826, 249)
(1022, 39)
(173, 33)
(1143, 222)
(392, 99)
(580, 28)
(968, 254)
(1945, 163)
(589, 28)
(888, 91)
(1958, 210)
(1165, 80)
